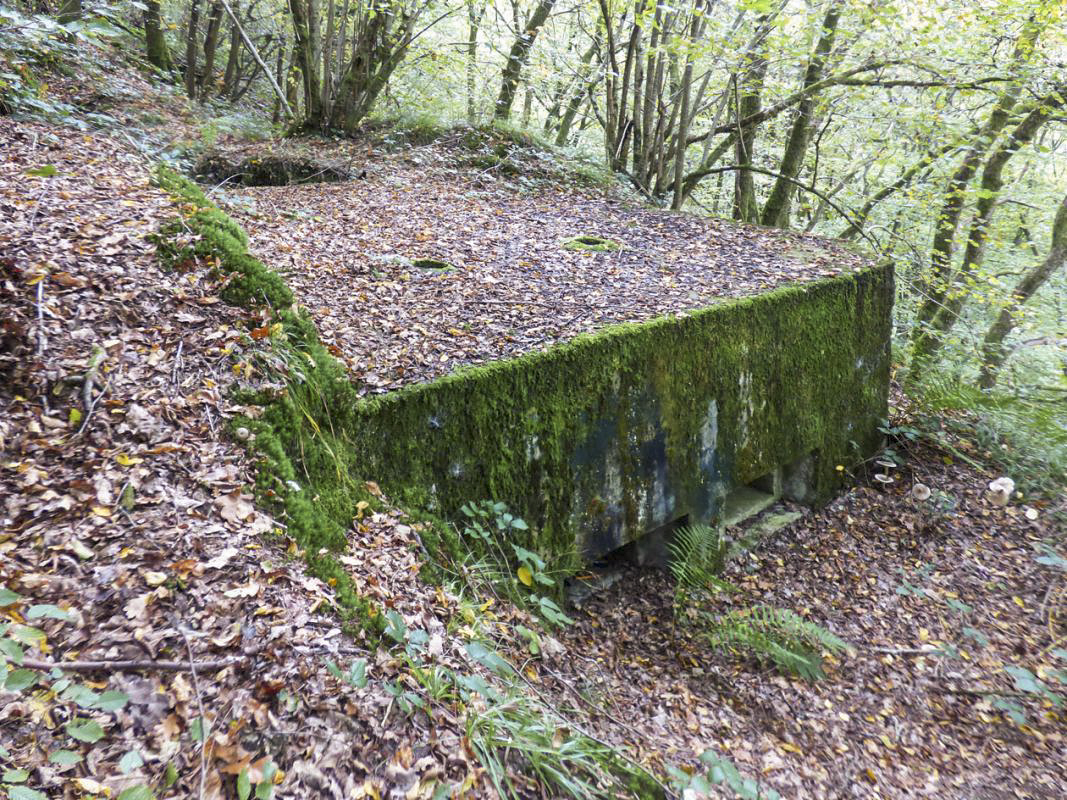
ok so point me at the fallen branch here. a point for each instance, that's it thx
(135, 665)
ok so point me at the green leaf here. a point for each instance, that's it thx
(139, 792)
(489, 659)
(334, 670)
(244, 786)
(170, 776)
(47, 171)
(11, 650)
(112, 701)
(65, 758)
(20, 679)
(84, 730)
(24, 793)
(7, 597)
(48, 611)
(197, 730)
(15, 776)
(131, 761)
(29, 635)
(395, 628)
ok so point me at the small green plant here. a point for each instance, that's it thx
(794, 645)
(495, 561)
(720, 771)
(57, 692)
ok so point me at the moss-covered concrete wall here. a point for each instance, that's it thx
(601, 439)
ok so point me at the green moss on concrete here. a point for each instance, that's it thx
(306, 465)
(800, 370)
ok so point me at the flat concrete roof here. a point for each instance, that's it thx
(348, 251)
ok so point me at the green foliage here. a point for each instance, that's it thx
(51, 690)
(720, 771)
(1024, 435)
(794, 645)
(493, 561)
(778, 635)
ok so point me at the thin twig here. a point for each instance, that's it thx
(40, 317)
(92, 406)
(134, 665)
(177, 363)
(200, 706)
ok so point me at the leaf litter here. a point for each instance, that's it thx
(125, 508)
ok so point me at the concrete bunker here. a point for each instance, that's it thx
(707, 417)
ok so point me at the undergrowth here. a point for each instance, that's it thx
(794, 645)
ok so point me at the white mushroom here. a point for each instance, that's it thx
(920, 492)
(999, 492)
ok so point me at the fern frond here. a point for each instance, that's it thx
(776, 634)
(698, 555)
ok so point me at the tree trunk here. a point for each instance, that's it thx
(232, 60)
(305, 14)
(930, 338)
(155, 45)
(993, 350)
(776, 211)
(696, 28)
(948, 219)
(746, 208)
(191, 41)
(211, 43)
(520, 52)
(474, 24)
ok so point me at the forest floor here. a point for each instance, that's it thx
(132, 556)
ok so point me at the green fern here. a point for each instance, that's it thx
(793, 644)
(698, 555)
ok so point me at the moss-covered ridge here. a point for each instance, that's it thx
(600, 439)
(306, 469)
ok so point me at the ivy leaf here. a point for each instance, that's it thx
(48, 611)
(131, 761)
(24, 793)
(111, 701)
(244, 786)
(65, 758)
(7, 597)
(15, 776)
(84, 730)
(11, 650)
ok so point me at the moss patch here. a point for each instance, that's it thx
(432, 265)
(306, 465)
(592, 244)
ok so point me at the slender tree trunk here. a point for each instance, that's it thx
(211, 43)
(776, 211)
(748, 102)
(155, 44)
(191, 42)
(517, 57)
(305, 14)
(233, 59)
(993, 351)
(930, 338)
(279, 76)
(474, 24)
(686, 88)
